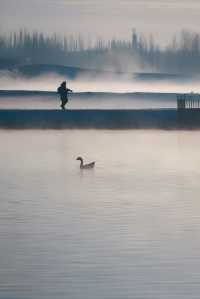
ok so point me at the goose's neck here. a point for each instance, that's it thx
(81, 164)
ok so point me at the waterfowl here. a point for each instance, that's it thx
(85, 166)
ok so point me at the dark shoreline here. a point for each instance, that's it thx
(168, 119)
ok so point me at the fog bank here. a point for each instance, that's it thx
(99, 83)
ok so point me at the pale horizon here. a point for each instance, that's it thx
(105, 19)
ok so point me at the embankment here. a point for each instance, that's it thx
(99, 119)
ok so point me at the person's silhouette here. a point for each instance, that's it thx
(63, 92)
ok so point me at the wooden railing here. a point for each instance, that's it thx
(188, 101)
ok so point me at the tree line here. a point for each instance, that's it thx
(140, 53)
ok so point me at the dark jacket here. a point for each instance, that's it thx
(63, 91)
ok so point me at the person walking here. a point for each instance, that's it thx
(63, 92)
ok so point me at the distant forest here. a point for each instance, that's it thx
(182, 54)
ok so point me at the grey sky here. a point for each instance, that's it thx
(105, 18)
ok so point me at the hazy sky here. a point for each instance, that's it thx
(101, 18)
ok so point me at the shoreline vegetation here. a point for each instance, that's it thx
(140, 53)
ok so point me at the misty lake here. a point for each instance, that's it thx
(127, 229)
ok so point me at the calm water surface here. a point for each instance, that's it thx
(98, 102)
(128, 229)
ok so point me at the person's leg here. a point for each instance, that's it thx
(65, 102)
(62, 103)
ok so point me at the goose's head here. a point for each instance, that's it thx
(80, 159)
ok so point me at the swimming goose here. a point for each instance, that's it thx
(85, 166)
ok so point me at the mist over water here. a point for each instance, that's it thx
(98, 83)
(127, 229)
(78, 102)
